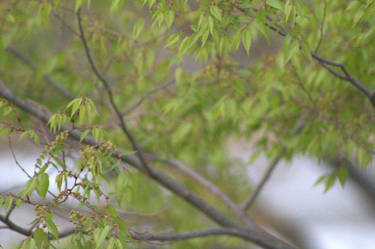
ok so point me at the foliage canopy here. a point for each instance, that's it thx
(124, 89)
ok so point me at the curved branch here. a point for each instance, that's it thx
(251, 199)
(211, 187)
(123, 125)
(14, 227)
(348, 77)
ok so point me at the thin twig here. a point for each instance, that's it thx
(123, 126)
(251, 199)
(15, 158)
(20, 166)
(62, 21)
(347, 77)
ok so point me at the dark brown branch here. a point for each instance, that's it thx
(123, 125)
(348, 77)
(14, 227)
(14, 51)
(257, 238)
(28, 232)
(251, 199)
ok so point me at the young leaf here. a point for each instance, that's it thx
(43, 184)
(320, 179)
(216, 12)
(101, 235)
(8, 202)
(40, 238)
(138, 27)
(246, 40)
(330, 182)
(341, 174)
(52, 227)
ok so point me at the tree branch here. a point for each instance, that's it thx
(211, 187)
(14, 227)
(123, 125)
(251, 199)
(14, 51)
(163, 236)
(348, 77)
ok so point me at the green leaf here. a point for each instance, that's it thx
(31, 134)
(138, 27)
(330, 182)
(118, 244)
(169, 18)
(216, 12)
(78, 4)
(83, 135)
(43, 184)
(74, 106)
(254, 157)
(320, 179)
(172, 39)
(100, 235)
(181, 132)
(29, 188)
(40, 238)
(116, 5)
(341, 174)
(246, 40)
(8, 203)
(111, 243)
(58, 180)
(275, 3)
(236, 39)
(18, 203)
(29, 244)
(52, 227)
(97, 134)
(211, 25)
